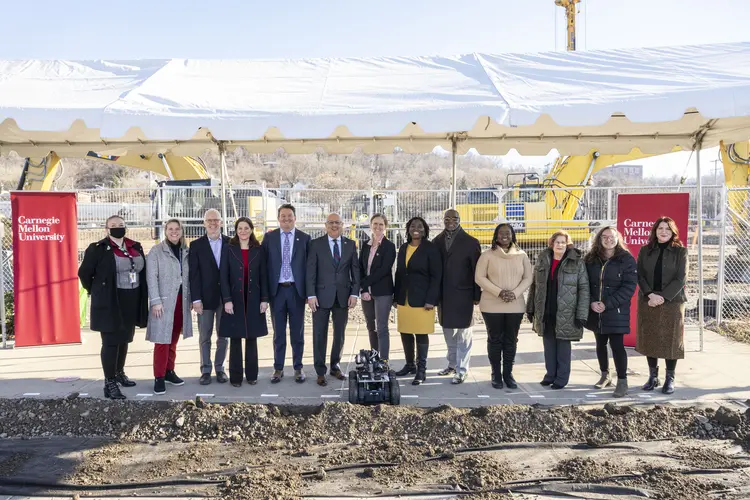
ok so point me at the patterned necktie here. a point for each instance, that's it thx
(336, 252)
(286, 268)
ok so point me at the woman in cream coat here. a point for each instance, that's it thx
(504, 273)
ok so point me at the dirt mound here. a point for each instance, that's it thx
(707, 458)
(673, 485)
(439, 429)
(270, 483)
(583, 469)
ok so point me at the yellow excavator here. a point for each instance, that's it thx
(183, 173)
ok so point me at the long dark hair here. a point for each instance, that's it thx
(597, 249)
(236, 239)
(653, 241)
(497, 231)
(426, 229)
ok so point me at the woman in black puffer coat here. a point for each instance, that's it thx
(613, 277)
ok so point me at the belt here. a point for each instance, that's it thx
(287, 284)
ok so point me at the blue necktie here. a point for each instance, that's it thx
(286, 268)
(336, 252)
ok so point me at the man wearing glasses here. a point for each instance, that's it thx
(459, 293)
(204, 260)
(332, 289)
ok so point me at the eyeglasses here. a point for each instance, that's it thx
(609, 238)
(334, 222)
(216, 221)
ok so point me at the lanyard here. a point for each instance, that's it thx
(124, 249)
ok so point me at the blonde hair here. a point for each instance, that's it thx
(182, 236)
(556, 234)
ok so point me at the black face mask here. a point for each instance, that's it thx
(117, 232)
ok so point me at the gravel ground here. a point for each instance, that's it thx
(396, 449)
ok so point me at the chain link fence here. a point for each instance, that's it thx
(731, 307)
(535, 213)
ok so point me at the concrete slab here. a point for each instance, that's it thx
(720, 373)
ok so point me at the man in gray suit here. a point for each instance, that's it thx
(332, 289)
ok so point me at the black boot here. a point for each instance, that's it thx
(495, 354)
(509, 357)
(421, 364)
(668, 383)
(653, 379)
(409, 368)
(123, 380)
(112, 390)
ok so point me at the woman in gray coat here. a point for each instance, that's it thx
(169, 295)
(558, 305)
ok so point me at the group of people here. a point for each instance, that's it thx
(231, 284)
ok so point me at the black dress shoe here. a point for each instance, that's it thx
(222, 378)
(338, 374)
(236, 384)
(205, 379)
(299, 376)
(557, 386)
(545, 383)
(497, 384)
(252, 382)
(123, 380)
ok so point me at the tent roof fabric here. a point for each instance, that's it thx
(657, 99)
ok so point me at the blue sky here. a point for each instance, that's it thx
(86, 29)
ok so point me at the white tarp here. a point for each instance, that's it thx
(656, 99)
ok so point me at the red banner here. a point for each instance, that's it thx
(636, 214)
(45, 268)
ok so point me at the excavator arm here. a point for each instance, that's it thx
(736, 160)
(39, 173)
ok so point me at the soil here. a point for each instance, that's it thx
(267, 451)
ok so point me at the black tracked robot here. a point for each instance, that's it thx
(372, 382)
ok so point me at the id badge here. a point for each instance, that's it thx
(133, 278)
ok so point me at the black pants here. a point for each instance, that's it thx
(409, 340)
(235, 360)
(618, 352)
(113, 358)
(502, 341)
(654, 362)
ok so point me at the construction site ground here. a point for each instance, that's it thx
(59, 438)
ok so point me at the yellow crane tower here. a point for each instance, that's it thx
(570, 16)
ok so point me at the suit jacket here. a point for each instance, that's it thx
(420, 280)
(300, 246)
(380, 280)
(458, 290)
(247, 322)
(329, 282)
(674, 265)
(204, 273)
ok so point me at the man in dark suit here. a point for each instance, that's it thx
(286, 252)
(332, 288)
(204, 260)
(459, 293)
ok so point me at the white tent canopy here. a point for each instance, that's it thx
(655, 99)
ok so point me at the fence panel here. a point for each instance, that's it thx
(733, 304)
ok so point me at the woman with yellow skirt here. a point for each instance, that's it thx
(419, 270)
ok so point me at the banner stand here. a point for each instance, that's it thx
(636, 214)
(45, 268)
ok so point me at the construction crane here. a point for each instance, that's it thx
(570, 16)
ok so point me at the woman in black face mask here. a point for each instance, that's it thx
(113, 272)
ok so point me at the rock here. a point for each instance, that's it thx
(199, 403)
(733, 435)
(320, 474)
(701, 419)
(180, 421)
(708, 427)
(614, 409)
(598, 412)
(368, 472)
(85, 414)
(727, 416)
